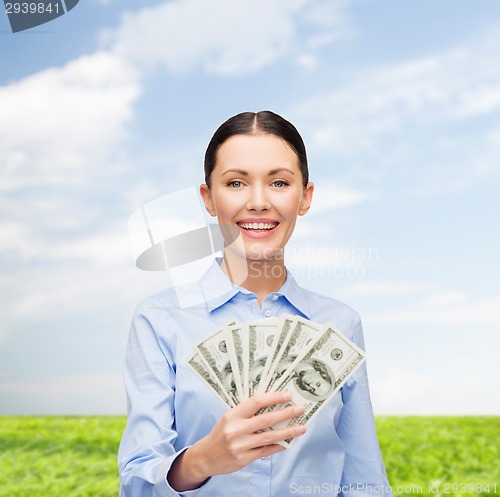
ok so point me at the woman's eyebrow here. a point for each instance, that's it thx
(279, 170)
(272, 172)
(238, 171)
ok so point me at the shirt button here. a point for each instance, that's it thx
(275, 297)
(267, 313)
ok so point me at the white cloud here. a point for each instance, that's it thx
(404, 117)
(473, 314)
(384, 288)
(451, 85)
(307, 61)
(329, 196)
(493, 137)
(54, 289)
(28, 242)
(61, 123)
(61, 139)
(223, 36)
(417, 391)
(79, 394)
(444, 299)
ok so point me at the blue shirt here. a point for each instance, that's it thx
(170, 408)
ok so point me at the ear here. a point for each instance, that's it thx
(206, 195)
(306, 199)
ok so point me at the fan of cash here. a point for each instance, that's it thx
(290, 353)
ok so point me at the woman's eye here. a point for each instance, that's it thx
(234, 184)
(279, 183)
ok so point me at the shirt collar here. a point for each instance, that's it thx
(296, 295)
(217, 289)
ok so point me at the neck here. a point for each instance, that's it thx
(260, 276)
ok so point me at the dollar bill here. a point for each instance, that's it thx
(261, 337)
(237, 346)
(296, 342)
(307, 359)
(318, 374)
(285, 324)
(214, 352)
(206, 374)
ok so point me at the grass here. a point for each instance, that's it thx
(455, 456)
(76, 456)
(59, 456)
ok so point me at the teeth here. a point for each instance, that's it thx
(258, 226)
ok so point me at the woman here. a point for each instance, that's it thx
(179, 439)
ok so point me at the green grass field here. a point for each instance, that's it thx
(76, 456)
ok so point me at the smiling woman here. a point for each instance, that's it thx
(257, 193)
(179, 439)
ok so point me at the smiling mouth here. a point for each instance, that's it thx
(257, 226)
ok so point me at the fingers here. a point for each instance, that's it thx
(267, 450)
(254, 404)
(241, 436)
(247, 435)
(257, 422)
(257, 426)
(269, 419)
(270, 438)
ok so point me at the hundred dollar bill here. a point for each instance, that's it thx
(207, 375)
(285, 324)
(237, 346)
(303, 334)
(214, 352)
(261, 336)
(318, 375)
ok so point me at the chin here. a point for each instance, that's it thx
(257, 253)
(269, 254)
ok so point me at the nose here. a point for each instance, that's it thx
(258, 199)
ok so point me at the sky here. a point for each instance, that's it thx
(112, 105)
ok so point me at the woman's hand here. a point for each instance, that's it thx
(236, 440)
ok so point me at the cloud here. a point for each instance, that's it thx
(226, 37)
(328, 195)
(62, 123)
(61, 142)
(473, 314)
(425, 119)
(447, 87)
(444, 299)
(411, 390)
(384, 288)
(82, 394)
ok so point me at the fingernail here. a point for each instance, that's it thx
(298, 410)
(287, 396)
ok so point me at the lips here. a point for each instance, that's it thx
(257, 226)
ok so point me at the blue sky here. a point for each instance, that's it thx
(113, 104)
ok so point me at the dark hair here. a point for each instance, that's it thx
(252, 123)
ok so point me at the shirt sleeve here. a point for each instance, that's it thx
(364, 473)
(147, 448)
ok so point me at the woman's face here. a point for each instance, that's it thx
(257, 192)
